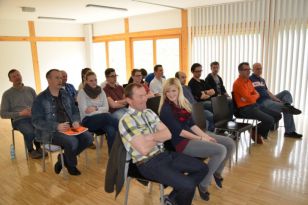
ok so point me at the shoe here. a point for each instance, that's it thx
(168, 200)
(218, 181)
(35, 154)
(259, 137)
(73, 171)
(58, 167)
(143, 182)
(204, 195)
(289, 109)
(92, 146)
(293, 135)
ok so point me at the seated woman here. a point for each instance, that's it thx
(188, 138)
(137, 78)
(93, 106)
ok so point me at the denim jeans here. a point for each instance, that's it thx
(102, 122)
(288, 119)
(72, 145)
(119, 113)
(209, 120)
(168, 168)
(26, 128)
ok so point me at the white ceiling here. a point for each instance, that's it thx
(11, 9)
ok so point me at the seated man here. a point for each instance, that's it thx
(16, 105)
(279, 103)
(246, 97)
(156, 85)
(53, 112)
(143, 135)
(187, 93)
(70, 89)
(201, 92)
(137, 78)
(214, 81)
(115, 94)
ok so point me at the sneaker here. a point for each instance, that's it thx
(205, 195)
(168, 200)
(289, 109)
(35, 154)
(73, 171)
(58, 167)
(293, 135)
(218, 181)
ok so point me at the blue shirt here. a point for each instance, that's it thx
(70, 89)
(188, 95)
(260, 86)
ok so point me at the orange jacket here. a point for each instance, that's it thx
(244, 93)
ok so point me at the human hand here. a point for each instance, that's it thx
(90, 109)
(63, 127)
(25, 112)
(75, 125)
(210, 92)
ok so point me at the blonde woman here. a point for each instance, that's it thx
(187, 138)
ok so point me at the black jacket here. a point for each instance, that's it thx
(115, 178)
(210, 83)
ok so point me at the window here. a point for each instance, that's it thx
(117, 59)
(143, 55)
(99, 61)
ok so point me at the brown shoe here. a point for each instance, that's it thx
(259, 137)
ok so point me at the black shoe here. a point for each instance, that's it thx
(35, 154)
(143, 182)
(41, 151)
(58, 167)
(293, 135)
(289, 109)
(73, 171)
(204, 195)
(218, 181)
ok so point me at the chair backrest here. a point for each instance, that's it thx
(235, 108)
(198, 115)
(221, 109)
(153, 104)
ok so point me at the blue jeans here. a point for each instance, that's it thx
(210, 120)
(102, 122)
(286, 97)
(119, 113)
(168, 168)
(72, 145)
(26, 128)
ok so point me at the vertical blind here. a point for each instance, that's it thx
(273, 32)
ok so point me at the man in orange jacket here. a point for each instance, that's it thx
(246, 97)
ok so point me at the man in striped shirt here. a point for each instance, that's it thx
(143, 135)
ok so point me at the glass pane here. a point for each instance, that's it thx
(117, 59)
(143, 55)
(168, 55)
(99, 61)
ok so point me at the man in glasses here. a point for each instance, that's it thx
(246, 97)
(279, 103)
(115, 94)
(201, 92)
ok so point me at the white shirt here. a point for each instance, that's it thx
(156, 86)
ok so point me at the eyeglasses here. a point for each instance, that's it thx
(112, 76)
(197, 71)
(248, 69)
(138, 75)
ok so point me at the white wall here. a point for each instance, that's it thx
(68, 56)
(155, 21)
(13, 28)
(109, 27)
(16, 55)
(58, 29)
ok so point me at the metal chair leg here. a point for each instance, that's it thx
(161, 189)
(150, 187)
(43, 161)
(97, 147)
(236, 146)
(126, 191)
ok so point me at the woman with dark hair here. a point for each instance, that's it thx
(93, 106)
(188, 138)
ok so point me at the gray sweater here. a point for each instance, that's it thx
(16, 99)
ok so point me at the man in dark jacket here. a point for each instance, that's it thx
(53, 113)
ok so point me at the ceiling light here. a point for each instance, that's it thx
(27, 9)
(106, 7)
(146, 2)
(56, 18)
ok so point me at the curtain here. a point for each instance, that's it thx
(272, 32)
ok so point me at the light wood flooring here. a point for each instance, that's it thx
(274, 173)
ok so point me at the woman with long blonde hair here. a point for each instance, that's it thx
(188, 138)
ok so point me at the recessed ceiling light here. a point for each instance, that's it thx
(106, 7)
(56, 18)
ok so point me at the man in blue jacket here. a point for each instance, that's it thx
(53, 113)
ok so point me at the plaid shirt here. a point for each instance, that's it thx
(134, 123)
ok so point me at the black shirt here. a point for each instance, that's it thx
(60, 110)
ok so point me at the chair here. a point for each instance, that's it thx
(153, 104)
(198, 115)
(98, 144)
(13, 140)
(223, 115)
(131, 171)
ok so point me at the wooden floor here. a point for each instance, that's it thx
(274, 173)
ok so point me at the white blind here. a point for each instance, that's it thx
(273, 32)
